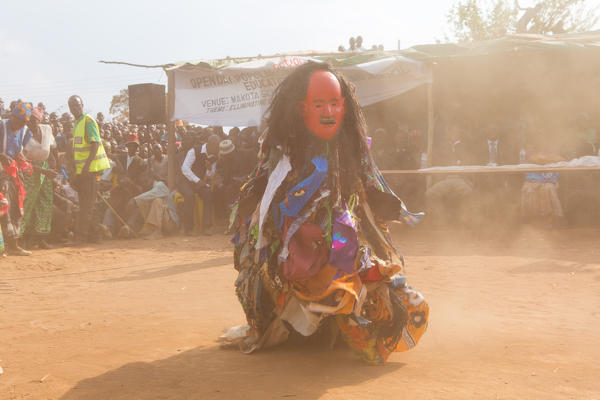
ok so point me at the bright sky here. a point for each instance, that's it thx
(50, 50)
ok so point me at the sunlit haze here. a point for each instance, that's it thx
(50, 50)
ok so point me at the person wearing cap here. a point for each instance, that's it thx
(90, 160)
(131, 161)
(226, 191)
(14, 134)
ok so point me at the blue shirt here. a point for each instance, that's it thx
(544, 177)
(14, 142)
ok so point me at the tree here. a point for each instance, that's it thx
(119, 106)
(473, 20)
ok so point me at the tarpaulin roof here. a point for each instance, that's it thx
(235, 91)
(428, 52)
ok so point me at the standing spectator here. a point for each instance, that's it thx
(90, 160)
(131, 162)
(194, 170)
(495, 149)
(450, 197)
(59, 137)
(158, 163)
(14, 134)
(232, 175)
(37, 216)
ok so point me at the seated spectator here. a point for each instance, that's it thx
(450, 197)
(64, 210)
(156, 208)
(539, 194)
(497, 194)
(120, 200)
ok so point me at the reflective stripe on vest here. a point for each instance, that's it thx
(81, 148)
(98, 157)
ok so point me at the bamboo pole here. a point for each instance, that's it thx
(430, 123)
(171, 129)
(485, 170)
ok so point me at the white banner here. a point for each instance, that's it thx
(238, 95)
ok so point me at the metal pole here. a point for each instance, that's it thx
(171, 129)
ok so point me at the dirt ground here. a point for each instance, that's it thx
(514, 315)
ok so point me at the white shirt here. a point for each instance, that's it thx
(107, 174)
(186, 167)
(129, 160)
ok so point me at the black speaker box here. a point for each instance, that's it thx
(147, 104)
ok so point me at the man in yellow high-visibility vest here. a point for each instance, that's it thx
(90, 160)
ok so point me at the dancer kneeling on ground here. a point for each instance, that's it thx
(312, 249)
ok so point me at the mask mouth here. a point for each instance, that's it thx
(329, 121)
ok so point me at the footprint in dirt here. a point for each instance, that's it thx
(6, 288)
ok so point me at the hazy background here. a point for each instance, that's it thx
(50, 49)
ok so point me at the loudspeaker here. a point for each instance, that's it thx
(147, 104)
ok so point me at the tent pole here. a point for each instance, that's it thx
(430, 123)
(171, 129)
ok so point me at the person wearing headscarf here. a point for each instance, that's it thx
(14, 134)
(37, 219)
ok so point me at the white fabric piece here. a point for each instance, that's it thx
(107, 174)
(324, 310)
(234, 333)
(275, 179)
(297, 314)
(586, 161)
(39, 151)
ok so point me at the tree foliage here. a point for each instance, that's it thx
(473, 20)
(119, 106)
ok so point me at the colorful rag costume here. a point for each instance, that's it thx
(312, 248)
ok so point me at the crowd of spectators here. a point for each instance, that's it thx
(473, 200)
(133, 198)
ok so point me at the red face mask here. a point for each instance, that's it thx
(323, 107)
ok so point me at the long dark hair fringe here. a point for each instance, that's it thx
(287, 129)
